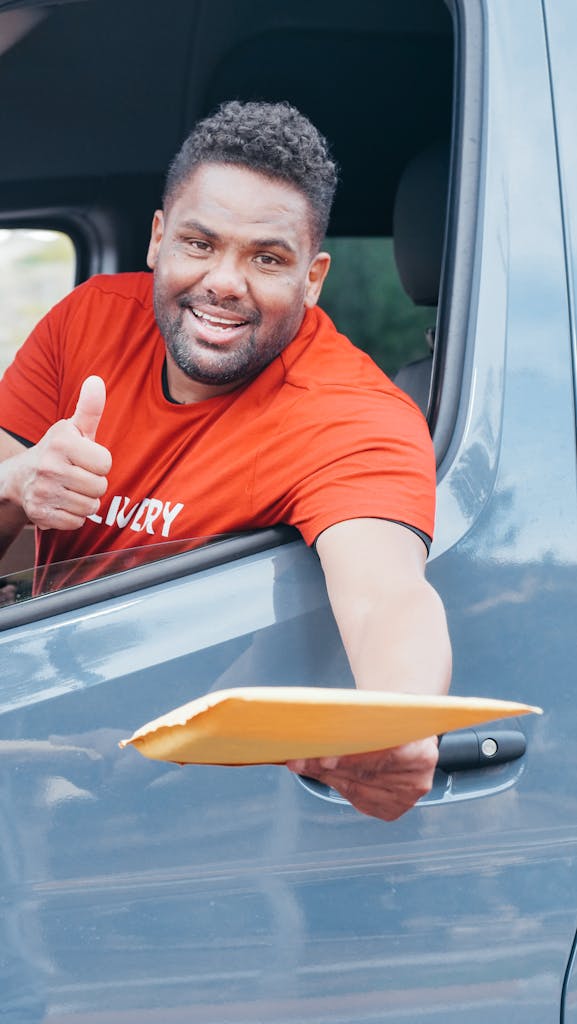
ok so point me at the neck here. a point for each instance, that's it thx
(185, 391)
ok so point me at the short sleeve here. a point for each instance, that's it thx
(352, 453)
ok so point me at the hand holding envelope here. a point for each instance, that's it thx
(350, 739)
(383, 783)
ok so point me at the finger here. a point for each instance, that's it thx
(385, 805)
(383, 784)
(90, 406)
(76, 504)
(58, 519)
(397, 782)
(387, 800)
(418, 755)
(88, 483)
(63, 511)
(369, 764)
(90, 456)
(375, 771)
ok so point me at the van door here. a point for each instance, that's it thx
(138, 891)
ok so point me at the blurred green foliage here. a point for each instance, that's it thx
(365, 298)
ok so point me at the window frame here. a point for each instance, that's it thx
(100, 244)
(130, 581)
(451, 376)
(92, 231)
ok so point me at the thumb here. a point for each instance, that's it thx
(90, 406)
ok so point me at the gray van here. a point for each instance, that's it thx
(137, 891)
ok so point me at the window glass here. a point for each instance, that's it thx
(37, 268)
(364, 296)
(29, 582)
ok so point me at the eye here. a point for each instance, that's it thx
(266, 259)
(198, 244)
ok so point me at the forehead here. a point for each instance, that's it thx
(229, 199)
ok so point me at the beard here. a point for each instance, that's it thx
(211, 364)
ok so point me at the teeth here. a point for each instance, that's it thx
(216, 319)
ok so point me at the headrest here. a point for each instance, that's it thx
(419, 224)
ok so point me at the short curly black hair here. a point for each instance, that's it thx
(273, 139)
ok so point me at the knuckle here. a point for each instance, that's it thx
(347, 789)
(57, 437)
(422, 788)
(41, 517)
(431, 760)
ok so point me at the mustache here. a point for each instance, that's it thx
(206, 300)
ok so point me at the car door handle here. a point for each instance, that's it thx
(468, 749)
(460, 751)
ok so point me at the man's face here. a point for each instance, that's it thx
(234, 271)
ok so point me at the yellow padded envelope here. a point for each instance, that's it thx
(273, 724)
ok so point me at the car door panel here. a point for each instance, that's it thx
(138, 891)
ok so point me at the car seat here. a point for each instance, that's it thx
(418, 238)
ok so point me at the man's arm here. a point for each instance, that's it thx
(58, 482)
(394, 630)
(12, 518)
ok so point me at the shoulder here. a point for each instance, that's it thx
(321, 357)
(106, 303)
(334, 382)
(104, 317)
(111, 288)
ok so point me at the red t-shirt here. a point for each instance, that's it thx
(320, 436)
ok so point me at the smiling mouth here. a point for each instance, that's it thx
(216, 321)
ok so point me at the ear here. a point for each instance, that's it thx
(318, 270)
(155, 238)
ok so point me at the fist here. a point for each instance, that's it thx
(383, 783)
(61, 479)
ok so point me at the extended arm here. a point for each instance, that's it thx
(394, 630)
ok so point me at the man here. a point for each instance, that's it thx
(230, 403)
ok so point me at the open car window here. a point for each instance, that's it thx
(29, 583)
(98, 164)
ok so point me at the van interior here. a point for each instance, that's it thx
(97, 95)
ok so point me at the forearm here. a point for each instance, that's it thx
(391, 620)
(401, 645)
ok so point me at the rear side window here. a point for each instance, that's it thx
(364, 296)
(37, 268)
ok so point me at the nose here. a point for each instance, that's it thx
(225, 277)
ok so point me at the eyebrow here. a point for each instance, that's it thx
(258, 243)
(274, 243)
(195, 225)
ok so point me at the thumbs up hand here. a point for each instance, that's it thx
(59, 482)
